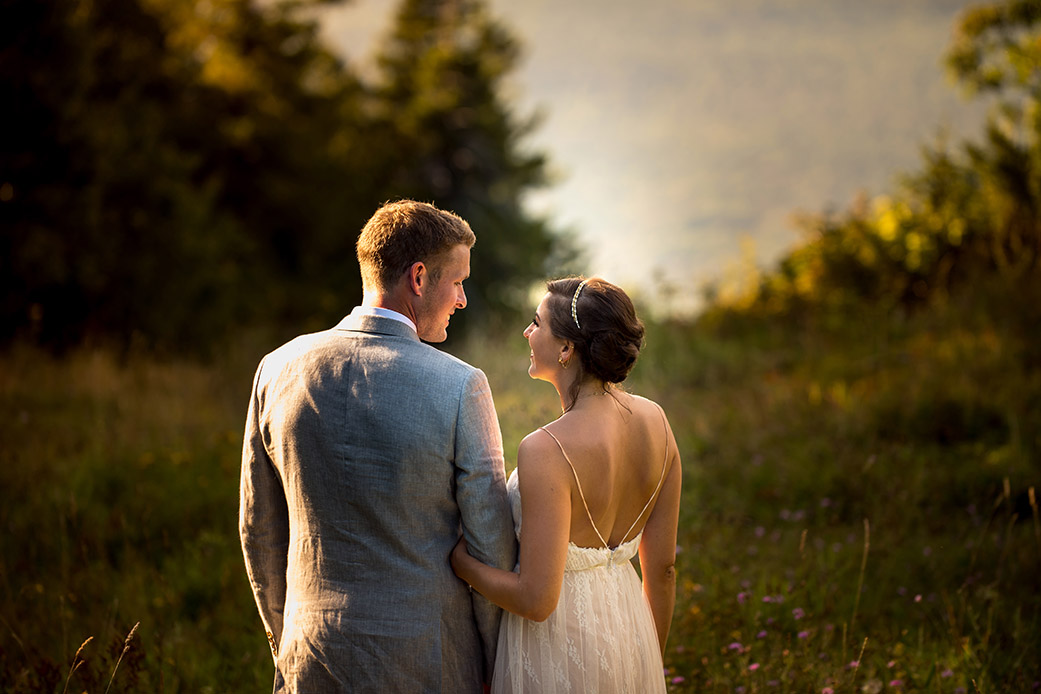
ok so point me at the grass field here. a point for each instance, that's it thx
(859, 510)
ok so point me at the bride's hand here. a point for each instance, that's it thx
(459, 555)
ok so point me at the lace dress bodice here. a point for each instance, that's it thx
(578, 558)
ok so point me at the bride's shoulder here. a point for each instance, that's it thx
(539, 442)
(644, 406)
(539, 456)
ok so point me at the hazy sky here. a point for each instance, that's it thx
(677, 128)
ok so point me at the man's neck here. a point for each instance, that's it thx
(389, 302)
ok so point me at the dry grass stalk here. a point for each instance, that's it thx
(1037, 521)
(126, 647)
(76, 663)
(860, 579)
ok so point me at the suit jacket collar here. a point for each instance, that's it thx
(376, 325)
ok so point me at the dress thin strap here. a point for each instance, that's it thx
(661, 479)
(580, 494)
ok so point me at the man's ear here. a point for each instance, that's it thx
(418, 278)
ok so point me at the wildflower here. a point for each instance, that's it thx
(825, 502)
(827, 690)
(739, 690)
(896, 684)
(761, 634)
(760, 531)
(798, 613)
(803, 634)
(918, 598)
(678, 680)
(767, 598)
(753, 667)
(947, 673)
(853, 664)
(772, 683)
(735, 646)
(742, 597)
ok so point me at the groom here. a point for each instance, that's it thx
(365, 452)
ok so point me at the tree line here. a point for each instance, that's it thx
(173, 170)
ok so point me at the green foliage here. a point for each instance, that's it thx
(972, 213)
(794, 435)
(119, 484)
(867, 449)
(182, 170)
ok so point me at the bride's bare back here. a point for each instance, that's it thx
(619, 446)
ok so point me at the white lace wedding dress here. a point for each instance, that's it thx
(601, 637)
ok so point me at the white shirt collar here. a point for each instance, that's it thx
(384, 313)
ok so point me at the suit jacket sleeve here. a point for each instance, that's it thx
(263, 522)
(481, 495)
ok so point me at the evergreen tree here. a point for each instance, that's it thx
(451, 139)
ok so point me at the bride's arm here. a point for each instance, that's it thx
(658, 549)
(545, 490)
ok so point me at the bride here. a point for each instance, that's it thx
(593, 488)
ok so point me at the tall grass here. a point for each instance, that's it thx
(859, 510)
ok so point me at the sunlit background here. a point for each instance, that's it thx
(685, 134)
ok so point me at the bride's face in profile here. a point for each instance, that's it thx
(546, 348)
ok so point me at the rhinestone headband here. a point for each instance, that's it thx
(574, 303)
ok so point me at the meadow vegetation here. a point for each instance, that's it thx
(859, 508)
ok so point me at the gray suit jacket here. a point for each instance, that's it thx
(365, 452)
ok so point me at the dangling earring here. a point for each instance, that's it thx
(564, 364)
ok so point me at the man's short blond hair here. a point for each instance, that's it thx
(405, 232)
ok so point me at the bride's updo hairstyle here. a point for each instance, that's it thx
(601, 322)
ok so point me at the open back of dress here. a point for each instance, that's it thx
(601, 636)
